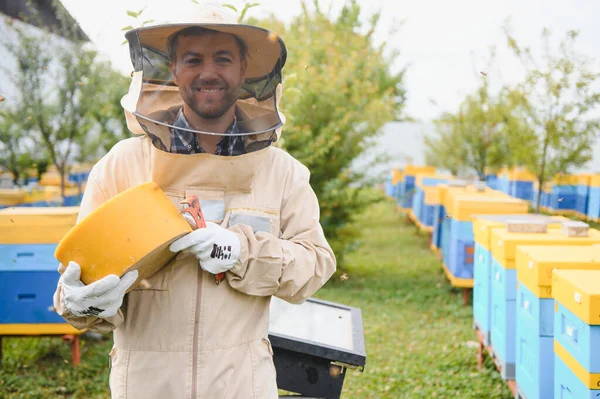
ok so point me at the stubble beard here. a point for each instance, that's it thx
(212, 111)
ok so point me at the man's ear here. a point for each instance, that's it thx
(243, 71)
(173, 67)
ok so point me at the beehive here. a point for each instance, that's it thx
(483, 225)
(28, 269)
(577, 332)
(44, 225)
(461, 244)
(535, 311)
(504, 282)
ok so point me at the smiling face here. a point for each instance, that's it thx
(209, 69)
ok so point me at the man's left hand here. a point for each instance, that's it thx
(217, 249)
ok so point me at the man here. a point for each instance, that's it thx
(204, 101)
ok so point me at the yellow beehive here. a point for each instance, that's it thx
(521, 174)
(421, 176)
(595, 180)
(413, 170)
(448, 192)
(535, 264)
(397, 176)
(484, 225)
(52, 195)
(34, 195)
(432, 195)
(52, 178)
(464, 207)
(504, 244)
(36, 225)
(566, 180)
(131, 231)
(11, 197)
(584, 179)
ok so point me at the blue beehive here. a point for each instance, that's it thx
(408, 184)
(27, 284)
(534, 344)
(593, 209)
(422, 205)
(536, 310)
(460, 257)
(483, 225)
(439, 214)
(407, 190)
(583, 193)
(481, 291)
(491, 181)
(576, 333)
(28, 268)
(503, 285)
(388, 187)
(417, 202)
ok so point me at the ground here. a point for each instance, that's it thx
(419, 338)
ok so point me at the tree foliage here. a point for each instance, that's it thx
(472, 140)
(66, 96)
(338, 93)
(546, 123)
(557, 103)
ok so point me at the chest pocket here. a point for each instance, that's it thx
(212, 203)
(260, 220)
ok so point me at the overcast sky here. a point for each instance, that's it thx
(444, 43)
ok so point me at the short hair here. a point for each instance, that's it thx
(199, 31)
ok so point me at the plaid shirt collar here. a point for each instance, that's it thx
(184, 142)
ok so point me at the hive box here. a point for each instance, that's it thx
(459, 255)
(504, 285)
(483, 225)
(28, 269)
(43, 225)
(535, 311)
(576, 333)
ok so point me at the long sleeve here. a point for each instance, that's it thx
(294, 266)
(92, 198)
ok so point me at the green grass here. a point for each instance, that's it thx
(419, 339)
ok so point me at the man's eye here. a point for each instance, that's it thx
(192, 60)
(223, 60)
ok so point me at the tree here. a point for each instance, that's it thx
(15, 153)
(442, 149)
(557, 104)
(475, 137)
(336, 102)
(64, 92)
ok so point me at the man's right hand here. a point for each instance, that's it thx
(102, 298)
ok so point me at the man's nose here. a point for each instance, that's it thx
(209, 71)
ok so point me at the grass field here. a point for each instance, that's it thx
(419, 339)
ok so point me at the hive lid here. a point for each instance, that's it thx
(536, 263)
(463, 208)
(483, 224)
(504, 244)
(36, 225)
(578, 291)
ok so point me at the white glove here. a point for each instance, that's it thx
(102, 298)
(217, 249)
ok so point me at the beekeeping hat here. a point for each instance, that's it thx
(153, 95)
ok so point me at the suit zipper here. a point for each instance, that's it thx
(196, 332)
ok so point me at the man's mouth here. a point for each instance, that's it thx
(212, 90)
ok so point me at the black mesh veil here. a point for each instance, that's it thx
(154, 98)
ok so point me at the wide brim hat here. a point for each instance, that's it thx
(153, 89)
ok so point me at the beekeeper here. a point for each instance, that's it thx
(203, 102)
